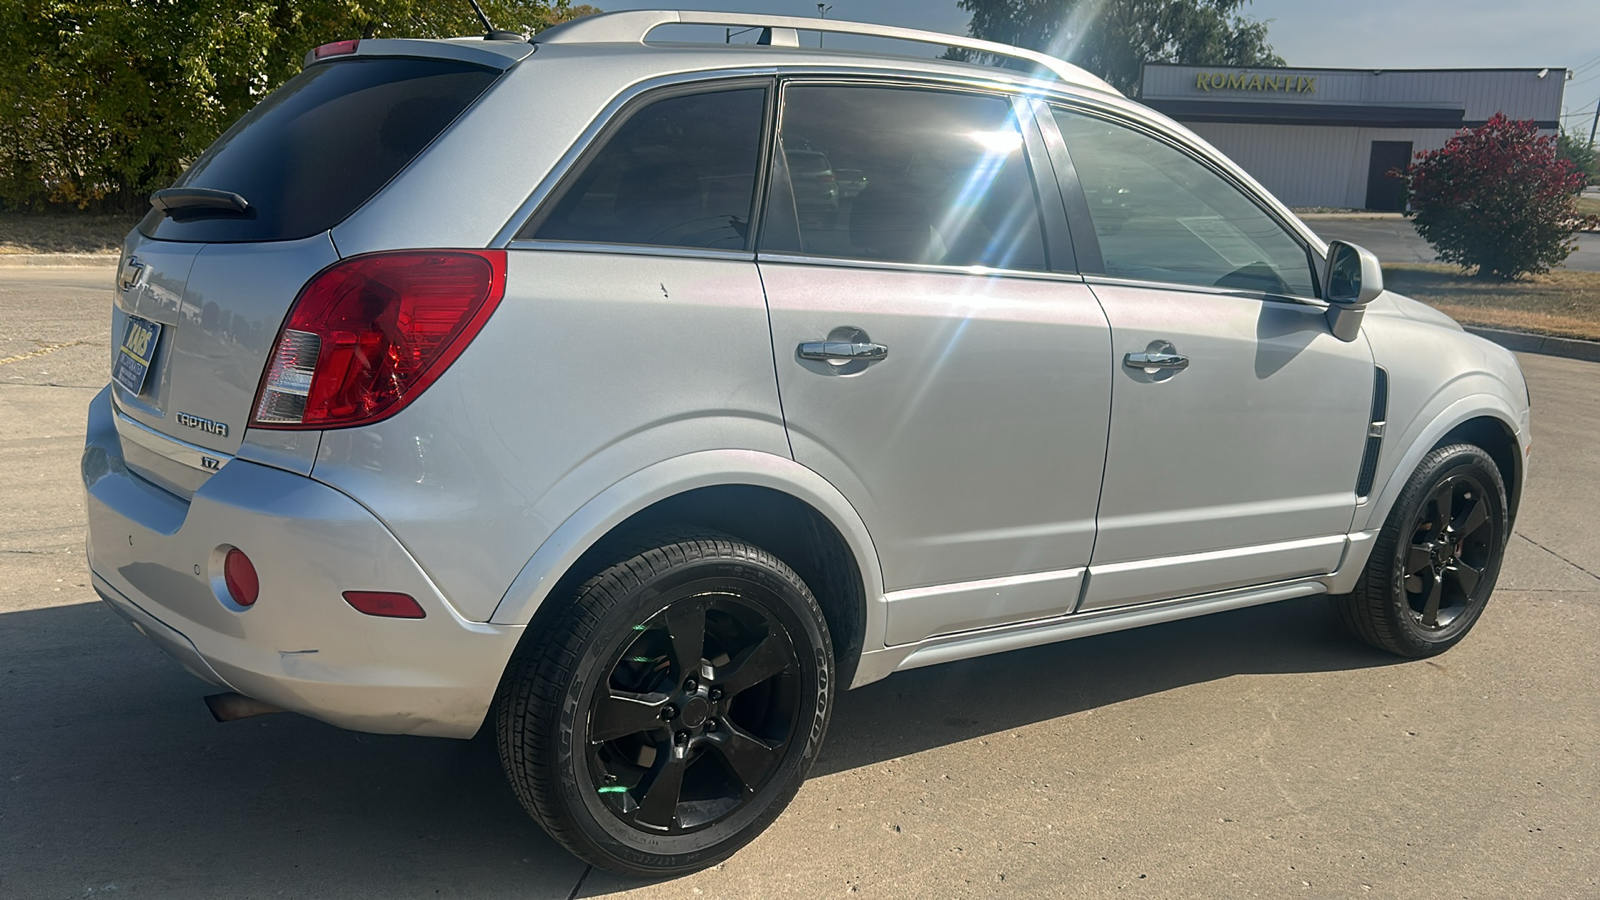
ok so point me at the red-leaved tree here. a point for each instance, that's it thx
(1498, 199)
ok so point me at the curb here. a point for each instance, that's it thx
(1523, 342)
(12, 260)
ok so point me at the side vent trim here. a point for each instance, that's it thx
(1375, 429)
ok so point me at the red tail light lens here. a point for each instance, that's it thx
(337, 48)
(370, 333)
(385, 603)
(239, 574)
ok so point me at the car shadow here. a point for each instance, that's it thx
(114, 778)
(939, 705)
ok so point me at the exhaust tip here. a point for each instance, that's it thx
(230, 706)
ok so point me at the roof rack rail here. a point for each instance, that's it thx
(634, 26)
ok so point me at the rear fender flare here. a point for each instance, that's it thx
(711, 468)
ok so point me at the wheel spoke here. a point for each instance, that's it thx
(1430, 609)
(623, 713)
(1466, 576)
(1441, 508)
(1418, 558)
(755, 665)
(750, 759)
(1474, 518)
(658, 800)
(686, 625)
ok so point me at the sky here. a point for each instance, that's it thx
(1381, 34)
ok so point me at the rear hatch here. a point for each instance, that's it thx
(206, 281)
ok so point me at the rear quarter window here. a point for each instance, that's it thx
(680, 172)
(321, 145)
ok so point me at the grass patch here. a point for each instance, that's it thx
(63, 232)
(1562, 303)
(1589, 206)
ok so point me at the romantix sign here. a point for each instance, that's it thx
(1245, 81)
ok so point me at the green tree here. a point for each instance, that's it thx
(1576, 149)
(1113, 38)
(104, 101)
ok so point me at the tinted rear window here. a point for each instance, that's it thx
(321, 145)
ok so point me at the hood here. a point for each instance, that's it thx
(1390, 303)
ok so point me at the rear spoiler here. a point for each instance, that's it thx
(493, 54)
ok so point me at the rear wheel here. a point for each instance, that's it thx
(674, 711)
(1436, 559)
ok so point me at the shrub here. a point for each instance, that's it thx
(1498, 199)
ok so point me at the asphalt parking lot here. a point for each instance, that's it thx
(1259, 753)
(1395, 239)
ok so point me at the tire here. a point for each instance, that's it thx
(1436, 559)
(671, 712)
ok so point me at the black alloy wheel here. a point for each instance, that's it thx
(696, 712)
(672, 709)
(1454, 541)
(1436, 558)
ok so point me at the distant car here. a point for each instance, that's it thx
(443, 400)
(811, 176)
(851, 182)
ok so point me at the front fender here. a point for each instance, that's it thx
(1423, 433)
(668, 478)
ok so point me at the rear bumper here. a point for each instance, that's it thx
(156, 560)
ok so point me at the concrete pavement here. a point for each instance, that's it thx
(1257, 753)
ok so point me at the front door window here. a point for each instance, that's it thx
(1162, 215)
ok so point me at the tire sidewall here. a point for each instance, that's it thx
(666, 854)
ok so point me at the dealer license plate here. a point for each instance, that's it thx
(133, 358)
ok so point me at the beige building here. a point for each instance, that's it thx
(1328, 137)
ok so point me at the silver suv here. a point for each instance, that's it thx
(537, 385)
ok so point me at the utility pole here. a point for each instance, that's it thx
(1595, 125)
(822, 13)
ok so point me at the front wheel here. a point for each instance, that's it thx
(1436, 560)
(674, 710)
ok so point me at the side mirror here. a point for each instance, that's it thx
(1351, 280)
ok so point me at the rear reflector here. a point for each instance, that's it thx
(337, 48)
(370, 333)
(386, 604)
(239, 574)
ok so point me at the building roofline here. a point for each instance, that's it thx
(1367, 69)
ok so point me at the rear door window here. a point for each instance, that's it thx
(320, 146)
(906, 175)
(680, 172)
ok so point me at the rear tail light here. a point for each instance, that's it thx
(337, 48)
(385, 603)
(826, 178)
(370, 333)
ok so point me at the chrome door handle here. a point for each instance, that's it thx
(842, 351)
(1155, 361)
